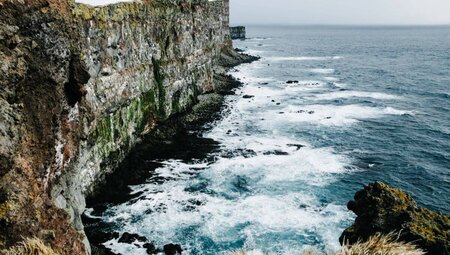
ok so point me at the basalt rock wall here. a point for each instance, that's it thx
(79, 87)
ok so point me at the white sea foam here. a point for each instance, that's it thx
(259, 39)
(322, 70)
(277, 177)
(332, 115)
(304, 58)
(254, 52)
(307, 165)
(123, 248)
(360, 94)
(304, 86)
(218, 217)
(331, 78)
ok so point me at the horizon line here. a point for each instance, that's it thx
(343, 24)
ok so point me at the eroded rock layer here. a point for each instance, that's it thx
(79, 86)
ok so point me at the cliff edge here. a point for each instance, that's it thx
(80, 86)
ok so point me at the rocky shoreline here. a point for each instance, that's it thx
(173, 137)
(81, 86)
(83, 90)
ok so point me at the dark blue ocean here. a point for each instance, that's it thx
(363, 104)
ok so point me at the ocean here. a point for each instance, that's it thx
(325, 111)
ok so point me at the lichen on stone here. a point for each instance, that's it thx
(383, 209)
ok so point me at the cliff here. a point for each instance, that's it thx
(237, 32)
(80, 86)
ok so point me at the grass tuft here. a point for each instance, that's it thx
(382, 245)
(31, 246)
(376, 245)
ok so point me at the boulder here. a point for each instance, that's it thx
(383, 209)
(172, 249)
(130, 238)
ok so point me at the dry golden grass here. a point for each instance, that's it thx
(382, 245)
(376, 245)
(32, 246)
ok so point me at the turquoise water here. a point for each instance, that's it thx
(366, 104)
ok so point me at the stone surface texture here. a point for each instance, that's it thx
(79, 87)
(383, 209)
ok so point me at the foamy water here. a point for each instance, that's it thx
(247, 194)
(290, 156)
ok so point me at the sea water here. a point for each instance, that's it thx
(363, 104)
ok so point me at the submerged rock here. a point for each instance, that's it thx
(150, 248)
(298, 146)
(172, 249)
(276, 152)
(130, 238)
(383, 209)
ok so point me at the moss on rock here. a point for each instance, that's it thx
(383, 209)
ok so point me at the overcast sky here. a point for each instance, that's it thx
(362, 12)
(355, 12)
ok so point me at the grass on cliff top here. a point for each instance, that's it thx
(376, 245)
(31, 246)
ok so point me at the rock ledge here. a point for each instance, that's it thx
(383, 209)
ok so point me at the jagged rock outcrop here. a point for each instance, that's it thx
(79, 86)
(383, 209)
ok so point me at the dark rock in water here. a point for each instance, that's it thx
(291, 82)
(196, 202)
(263, 83)
(130, 238)
(311, 112)
(383, 209)
(276, 152)
(101, 237)
(246, 153)
(172, 249)
(298, 146)
(328, 118)
(151, 248)
(248, 96)
(278, 103)
(101, 250)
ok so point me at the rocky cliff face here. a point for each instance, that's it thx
(80, 86)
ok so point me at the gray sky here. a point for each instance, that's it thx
(362, 12)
